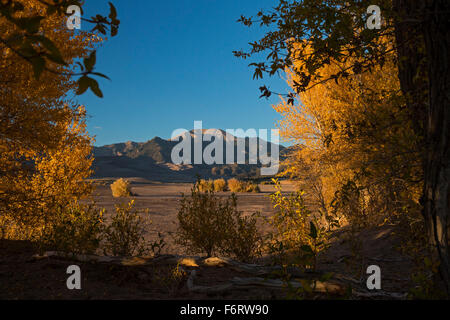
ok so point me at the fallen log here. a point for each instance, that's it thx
(261, 270)
(238, 283)
(377, 294)
(336, 285)
(188, 261)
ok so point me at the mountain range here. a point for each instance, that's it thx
(151, 160)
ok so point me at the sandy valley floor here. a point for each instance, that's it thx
(162, 201)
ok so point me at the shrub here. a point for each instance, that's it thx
(121, 188)
(209, 224)
(157, 246)
(75, 229)
(220, 185)
(124, 236)
(170, 277)
(252, 187)
(244, 239)
(235, 185)
(350, 202)
(12, 229)
(296, 227)
(205, 185)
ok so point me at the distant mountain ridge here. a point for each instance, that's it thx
(152, 160)
(157, 149)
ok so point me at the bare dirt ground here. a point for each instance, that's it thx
(22, 277)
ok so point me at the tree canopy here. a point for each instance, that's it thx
(306, 36)
(26, 38)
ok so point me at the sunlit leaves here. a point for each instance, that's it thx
(45, 152)
(35, 47)
(356, 143)
(333, 31)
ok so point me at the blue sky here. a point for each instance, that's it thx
(171, 64)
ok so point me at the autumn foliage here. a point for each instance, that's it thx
(220, 185)
(121, 188)
(45, 150)
(211, 225)
(236, 185)
(357, 156)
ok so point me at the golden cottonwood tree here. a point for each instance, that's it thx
(44, 148)
(34, 47)
(338, 32)
(357, 153)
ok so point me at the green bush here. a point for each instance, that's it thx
(296, 227)
(211, 225)
(121, 188)
(124, 236)
(80, 229)
(75, 229)
(244, 240)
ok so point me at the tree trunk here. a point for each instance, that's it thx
(436, 200)
(423, 40)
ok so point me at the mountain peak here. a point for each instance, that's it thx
(212, 131)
